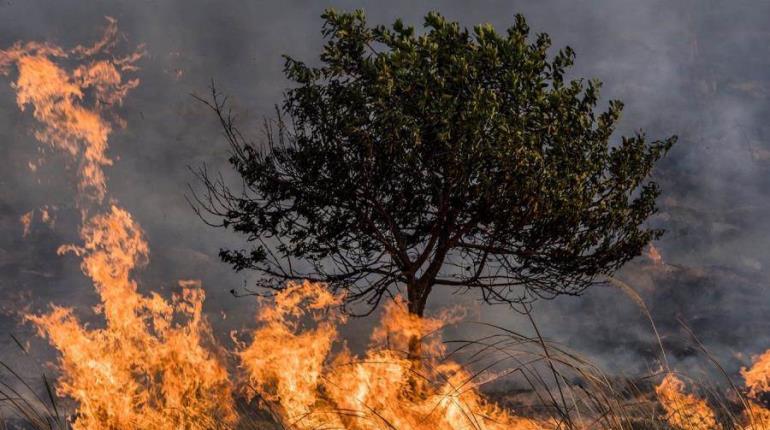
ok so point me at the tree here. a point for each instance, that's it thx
(447, 158)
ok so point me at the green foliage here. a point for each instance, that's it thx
(438, 158)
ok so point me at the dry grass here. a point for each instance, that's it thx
(528, 374)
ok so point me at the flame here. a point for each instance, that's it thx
(26, 223)
(47, 217)
(684, 411)
(284, 362)
(151, 366)
(756, 417)
(290, 363)
(654, 255)
(757, 380)
(60, 100)
(757, 377)
(153, 363)
(148, 367)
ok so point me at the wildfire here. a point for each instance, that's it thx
(26, 223)
(291, 365)
(688, 412)
(47, 217)
(757, 377)
(70, 105)
(756, 417)
(153, 363)
(684, 411)
(148, 367)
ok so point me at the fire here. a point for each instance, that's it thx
(26, 223)
(151, 365)
(148, 367)
(757, 380)
(284, 362)
(757, 377)
(756, 417)
(153, 362)
(684, 411)
(293, 367)
(69, 104)
(654, 254)
(47, 217)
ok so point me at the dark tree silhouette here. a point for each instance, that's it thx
(445, 158)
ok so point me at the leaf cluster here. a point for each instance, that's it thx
(449, 157)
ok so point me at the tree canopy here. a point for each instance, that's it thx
(446, 157)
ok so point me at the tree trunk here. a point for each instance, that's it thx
(417, 297)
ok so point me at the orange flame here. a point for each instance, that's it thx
(149, 367)
(153, 363)
(292, 367)
(684, 411)
(59, 100)
(47, 217)
(146, 368)
(26, 223)
(654, 255)
(756, 417)
(757, 377)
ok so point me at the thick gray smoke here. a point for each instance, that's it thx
(693, 68)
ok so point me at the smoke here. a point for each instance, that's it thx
(692, 68)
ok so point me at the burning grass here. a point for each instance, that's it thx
(147, 370)
(153, 362)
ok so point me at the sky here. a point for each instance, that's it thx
(697, 69)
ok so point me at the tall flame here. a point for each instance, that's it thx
(26, 223)
(150, 366)
(70, 104)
